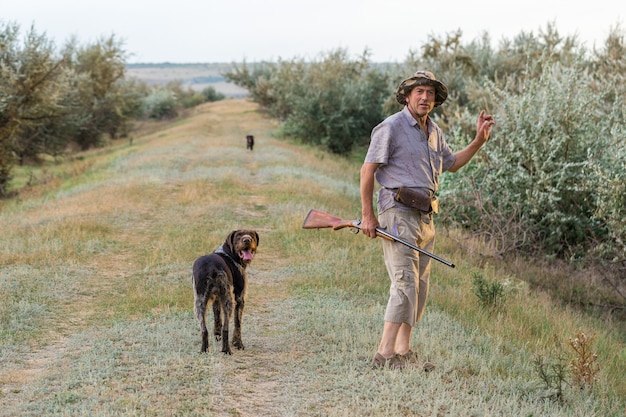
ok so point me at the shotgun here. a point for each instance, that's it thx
(318, 220)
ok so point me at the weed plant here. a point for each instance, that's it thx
(490, 295)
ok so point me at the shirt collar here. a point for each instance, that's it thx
(411, 120)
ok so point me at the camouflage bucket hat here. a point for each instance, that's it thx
(422, 78)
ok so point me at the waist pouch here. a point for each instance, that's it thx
(419, 200)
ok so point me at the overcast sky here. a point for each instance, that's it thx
(188, 31)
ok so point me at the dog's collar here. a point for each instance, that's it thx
(221, 251)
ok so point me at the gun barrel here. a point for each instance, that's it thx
(414, 247)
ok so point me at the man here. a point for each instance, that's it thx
(406, 155)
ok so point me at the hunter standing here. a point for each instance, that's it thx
(406, 156)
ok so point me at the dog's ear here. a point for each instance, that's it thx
(230, 240)
(255, 235)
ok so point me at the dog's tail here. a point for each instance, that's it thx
(199, 307)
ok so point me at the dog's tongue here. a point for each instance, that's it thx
(246, 255)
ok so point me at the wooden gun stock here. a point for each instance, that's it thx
(319, 220)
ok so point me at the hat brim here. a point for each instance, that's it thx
(441, 91)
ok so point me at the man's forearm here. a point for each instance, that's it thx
(367, 191)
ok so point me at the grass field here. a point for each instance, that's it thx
(96, 306)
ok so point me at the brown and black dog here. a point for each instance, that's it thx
(249, 142)
(221, 278)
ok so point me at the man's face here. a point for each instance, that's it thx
(421, 100)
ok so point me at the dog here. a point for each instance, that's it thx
(221, 278)
(249, 142)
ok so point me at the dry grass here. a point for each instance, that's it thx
(96, 301)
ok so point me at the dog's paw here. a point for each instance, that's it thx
(204, 348)
(238, 344)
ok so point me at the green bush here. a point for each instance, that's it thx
(160, 104)
(211, 94)
(193, 100)
(490, 295)
(552, 178)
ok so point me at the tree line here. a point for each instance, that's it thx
(74, 97)
(552, 179)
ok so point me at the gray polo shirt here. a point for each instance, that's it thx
(407, 157)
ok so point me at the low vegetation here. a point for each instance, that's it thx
(96, 301)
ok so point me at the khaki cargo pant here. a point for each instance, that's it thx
(408, 270)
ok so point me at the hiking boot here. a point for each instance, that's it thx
(410, 356)
(395, 362)
(428, 366)
(413, 357)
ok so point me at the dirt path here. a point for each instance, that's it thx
(250, 382)
(259, 368)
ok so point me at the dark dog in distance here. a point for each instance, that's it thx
(249, 142)
(220, 278)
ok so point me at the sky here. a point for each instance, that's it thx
(227, 31)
